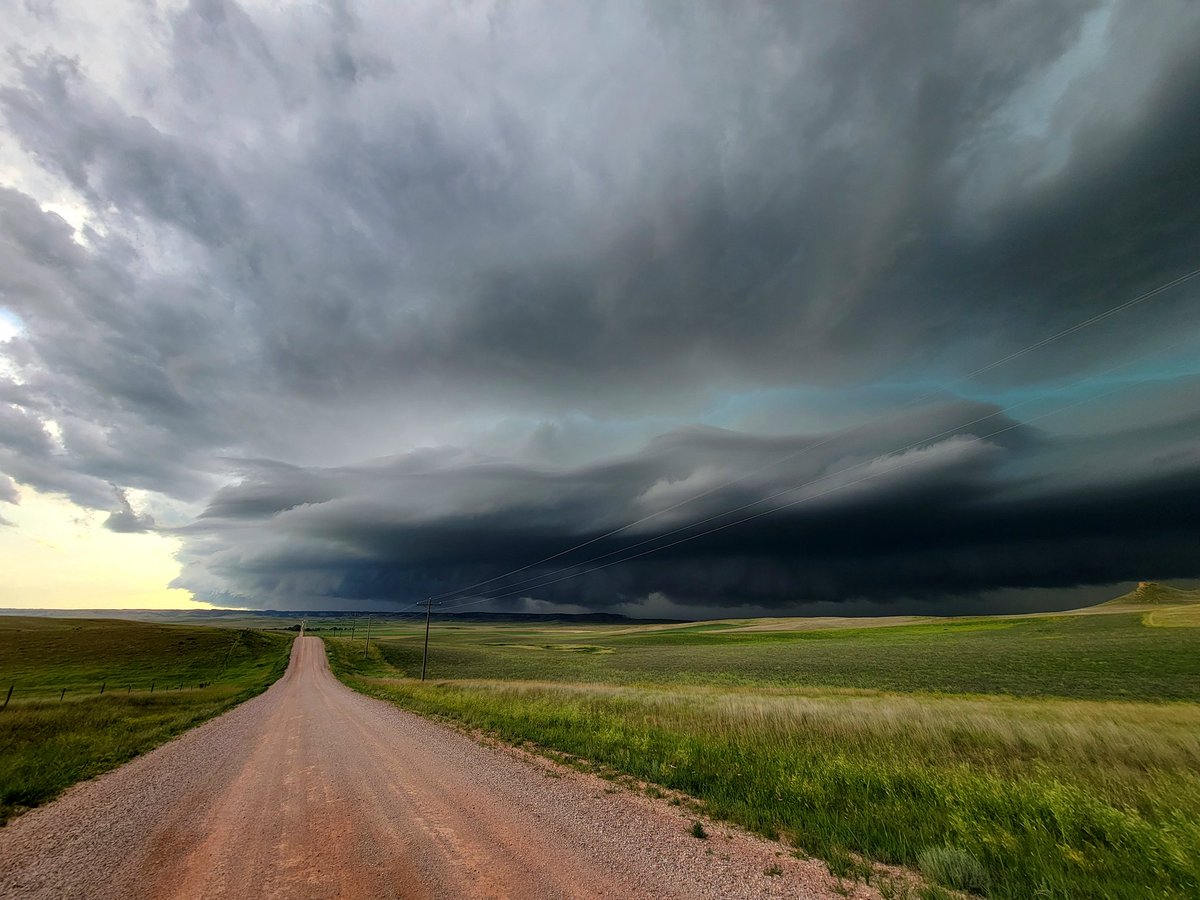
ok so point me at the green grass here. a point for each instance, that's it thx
(1051, 756)
(1084, 656)
(955, 868)
(59, 728)
(1154, 594)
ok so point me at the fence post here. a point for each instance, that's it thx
(9, 697)
(63, 694)
(102, 686)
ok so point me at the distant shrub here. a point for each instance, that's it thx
(953, 867)
(698, 831)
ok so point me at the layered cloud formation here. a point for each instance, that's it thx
(369, 302)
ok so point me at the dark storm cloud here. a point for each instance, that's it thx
(938, 519)
(319, 236)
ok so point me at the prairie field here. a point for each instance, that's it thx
(1057, 755)
(90, 694)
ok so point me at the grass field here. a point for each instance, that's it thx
(1052, 756)
(157, 680)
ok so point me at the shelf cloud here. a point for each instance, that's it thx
(364, 303)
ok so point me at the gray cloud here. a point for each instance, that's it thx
(124, 520)
(826, 520)
(8, 490)
(558, 243)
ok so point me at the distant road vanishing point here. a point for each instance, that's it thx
(314, 791)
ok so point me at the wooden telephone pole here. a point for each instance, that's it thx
(367, 645)
(425, 656)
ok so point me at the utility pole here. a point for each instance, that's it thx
(367, 645)
(425, 656)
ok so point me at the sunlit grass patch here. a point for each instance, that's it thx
(1177, 617)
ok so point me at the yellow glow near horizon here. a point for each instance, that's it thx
(58, 555)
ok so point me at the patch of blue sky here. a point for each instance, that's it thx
(804, 408)
(812, 409)
(1164, 368)
(10, 324)
(800, 408)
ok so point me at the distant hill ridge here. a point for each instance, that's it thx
(1151, 593)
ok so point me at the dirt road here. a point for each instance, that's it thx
(312, 790)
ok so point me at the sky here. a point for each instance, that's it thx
(666, 309)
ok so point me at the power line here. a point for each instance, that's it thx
(812, 483)
(760, 500)
(896, 450)
(1079, 326)
(745, 519)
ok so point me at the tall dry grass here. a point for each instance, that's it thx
(1053, 797)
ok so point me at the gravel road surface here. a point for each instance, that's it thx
(311, 790)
